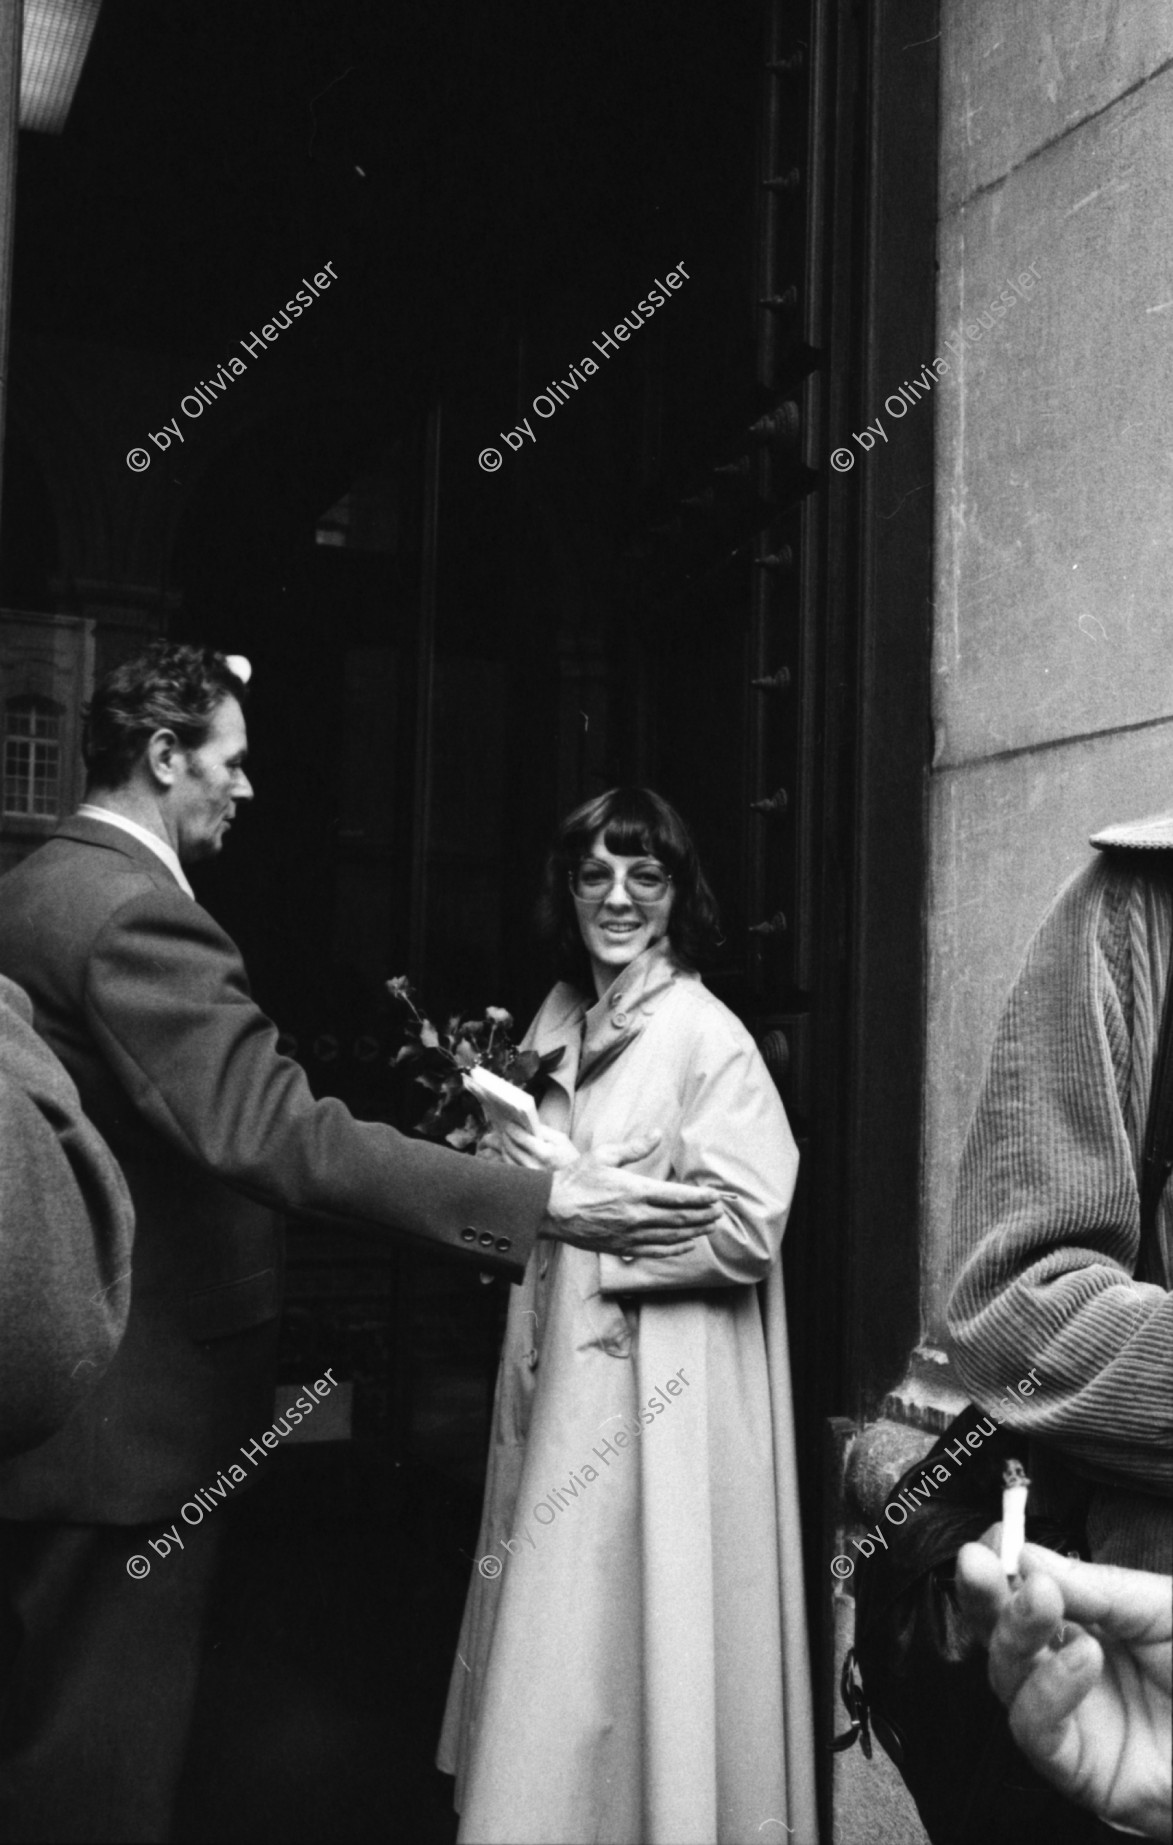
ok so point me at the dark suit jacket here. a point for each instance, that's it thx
(146, 1002)
(66, 1228)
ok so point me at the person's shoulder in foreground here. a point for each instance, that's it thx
(66, 1229)
(1090, 907)
(1149, 835)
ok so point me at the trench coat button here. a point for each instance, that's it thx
(620, 1020)
(543, 1267)
(504, 1245)
(468, 1236)
(485, 1240)
(531, 1359)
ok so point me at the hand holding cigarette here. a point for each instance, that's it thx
(1080, 1655)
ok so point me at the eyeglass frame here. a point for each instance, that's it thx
(619, 877)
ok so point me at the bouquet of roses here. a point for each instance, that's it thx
(444, 1056)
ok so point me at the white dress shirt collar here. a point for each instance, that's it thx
(160, 847)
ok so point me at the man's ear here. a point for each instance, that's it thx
(162, 757)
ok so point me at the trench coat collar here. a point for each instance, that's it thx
(1138, 835)
(593, 1036)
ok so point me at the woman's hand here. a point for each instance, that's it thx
(552, 1150)
(547, 1150)
(596, 1205)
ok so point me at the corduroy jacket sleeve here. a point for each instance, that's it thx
(1046, 1223)
(168, 1002)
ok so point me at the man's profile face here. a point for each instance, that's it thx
(210, 781)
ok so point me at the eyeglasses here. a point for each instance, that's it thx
(593, 882)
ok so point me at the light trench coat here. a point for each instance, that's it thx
(633, 1660)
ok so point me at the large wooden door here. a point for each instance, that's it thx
(649, 593)
(733, 643)
(675, 583)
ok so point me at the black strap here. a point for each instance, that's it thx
(1157, 1159)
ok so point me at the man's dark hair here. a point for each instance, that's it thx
(168, 687)
(632, 821)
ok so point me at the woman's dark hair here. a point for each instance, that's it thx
(168, 687)
(632, 821)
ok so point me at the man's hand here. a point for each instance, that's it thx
(596, 1205)
(1090, 1703)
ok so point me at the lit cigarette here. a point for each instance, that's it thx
(1015, 1487)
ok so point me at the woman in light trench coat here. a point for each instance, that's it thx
(632, 1665)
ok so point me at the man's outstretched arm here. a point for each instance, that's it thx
(168, 1001)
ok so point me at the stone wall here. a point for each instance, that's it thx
(1053, 618)
(1053, 606)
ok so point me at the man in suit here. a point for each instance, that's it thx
(66, 1227)
(146, 1001)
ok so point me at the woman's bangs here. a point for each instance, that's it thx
(629, 837)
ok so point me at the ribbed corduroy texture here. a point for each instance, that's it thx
(1046, 1221)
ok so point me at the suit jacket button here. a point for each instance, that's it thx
(468, 1236)
(485, 1240)
(504, 1245)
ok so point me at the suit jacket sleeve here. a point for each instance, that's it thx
(733, 1134)
(66, 1228)
(167, 999)
(1046, 1224)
